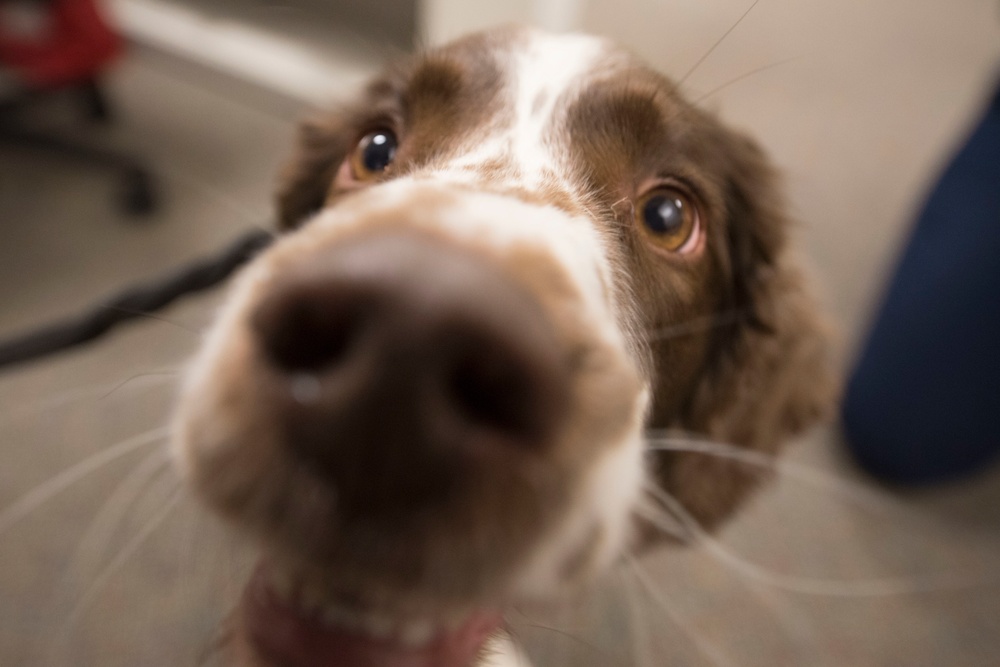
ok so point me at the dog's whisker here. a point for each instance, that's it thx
(550, 291)
(518, 644)
(150, 316)
(187, 539)
(47, 490)
(614, 206)
(76, 394)
(793, 626)
(163, 376)
(826, 587)
(124, 554)
(220, 197)
(216, 646)
(104, 577)
(569, 635)
(711, 50)
(60, 399)
(696, 325)
(649, 586)
(114, 509)
(856, 493)
(639, 634)
(718, 89)
(564, 649)
(648, 511)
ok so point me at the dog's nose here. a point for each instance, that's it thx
(404, 343)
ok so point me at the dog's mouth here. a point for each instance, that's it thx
(418, 431)
(293, 625)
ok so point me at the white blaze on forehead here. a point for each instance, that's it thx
(544, 75)
(548, 71)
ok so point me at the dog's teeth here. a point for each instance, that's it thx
(416, 633)
(410, 633)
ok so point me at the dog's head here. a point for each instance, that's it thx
(503, 263)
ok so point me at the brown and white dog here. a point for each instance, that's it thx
(427, 401)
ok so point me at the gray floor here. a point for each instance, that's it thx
(860, 125)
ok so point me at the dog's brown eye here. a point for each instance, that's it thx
(373, 155)
(670, 219)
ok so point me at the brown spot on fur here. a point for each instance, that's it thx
(629, 126)
(753, 377)
(499, 511)
(605, 384)
(434, 102)
(753, 380)
(756, 373)
(494, 171)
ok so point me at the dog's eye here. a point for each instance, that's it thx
(373, 154)
(670, 219)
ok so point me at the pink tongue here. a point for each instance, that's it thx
(280, 634)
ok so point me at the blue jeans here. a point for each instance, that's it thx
(923, 403)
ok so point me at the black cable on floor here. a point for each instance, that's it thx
(131, 303)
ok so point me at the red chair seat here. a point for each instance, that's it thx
(75, 46)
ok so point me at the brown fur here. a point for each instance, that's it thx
(741, 358)
(444, 93)
(757, 372)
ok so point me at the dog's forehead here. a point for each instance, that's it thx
(541, 75)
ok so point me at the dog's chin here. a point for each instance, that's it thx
(287, 621)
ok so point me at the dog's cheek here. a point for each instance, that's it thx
(767, 386)
(321, 145)
(218, 440)
(223, 443)
(614, 494)
(597, 527)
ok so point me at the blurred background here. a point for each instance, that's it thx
(860, 103)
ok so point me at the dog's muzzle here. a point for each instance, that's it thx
(398, 365)
(422, 406)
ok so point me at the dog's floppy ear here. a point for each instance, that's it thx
(322, 144)
(767, 377)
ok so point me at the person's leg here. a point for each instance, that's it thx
(923, 403)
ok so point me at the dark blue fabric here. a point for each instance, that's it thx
(923, 403)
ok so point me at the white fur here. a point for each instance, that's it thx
(614, 484)
(555, 67)
(495, 220)
(200, 371)
(606, 499)
(502, 652)
(499, 222)
(550, 66)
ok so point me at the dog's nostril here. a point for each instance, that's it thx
(307, 328)
(491, 392)
(399, 352)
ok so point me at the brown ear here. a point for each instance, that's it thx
(766, 378)
(303, 185)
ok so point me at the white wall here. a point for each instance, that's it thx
(441, 20)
